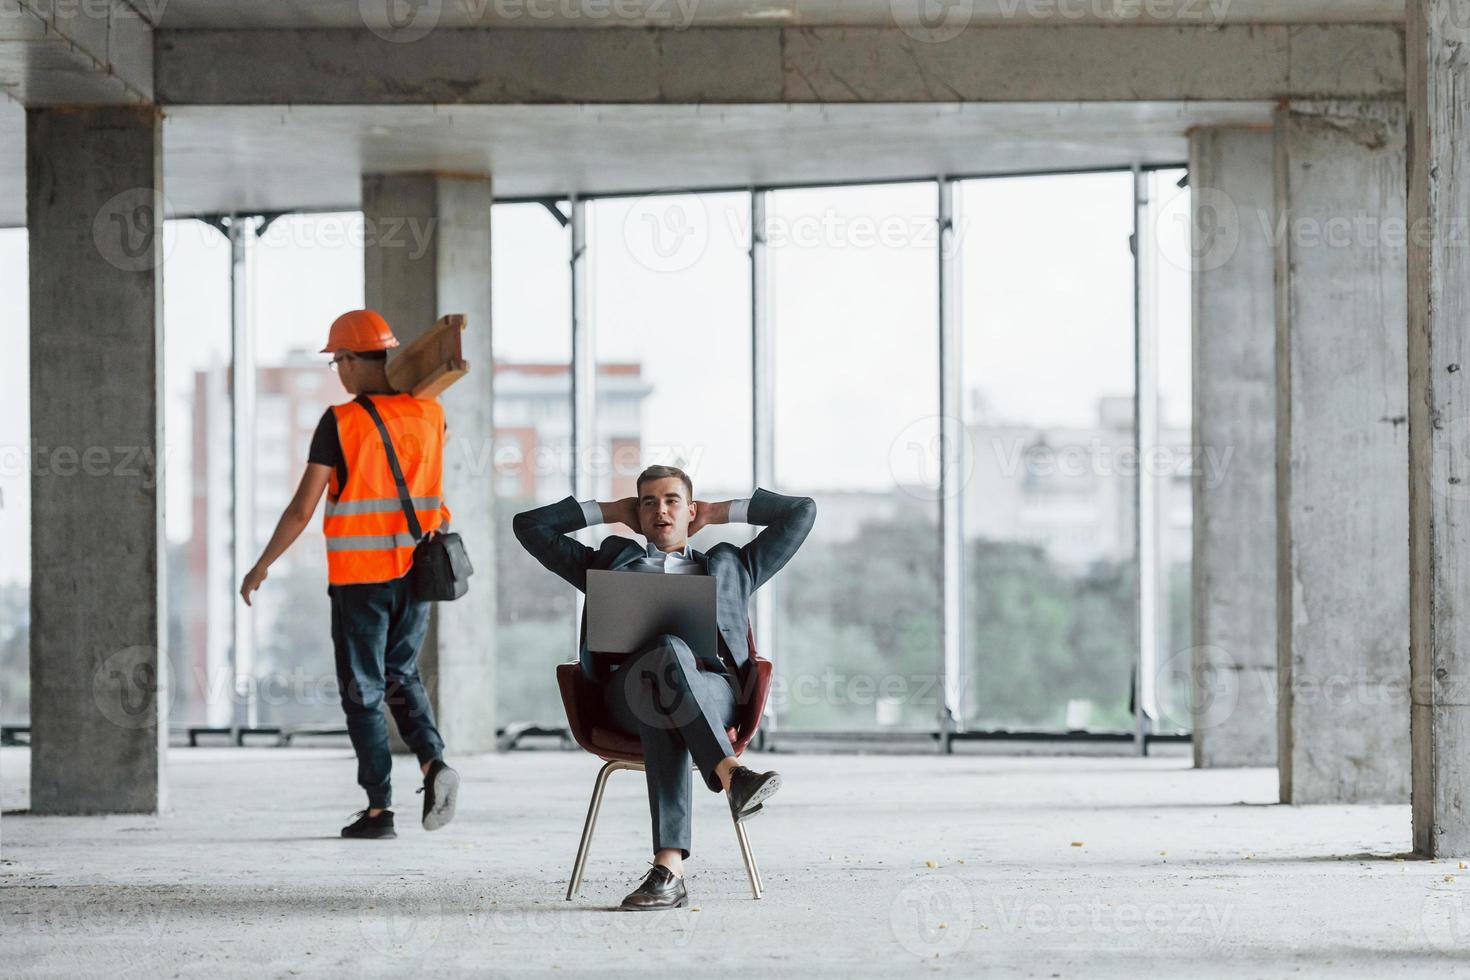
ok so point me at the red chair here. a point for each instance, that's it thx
(622, 750)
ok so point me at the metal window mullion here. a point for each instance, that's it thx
(584, 365)
(584, 380)
(242, 460)
(763, 412)
(1145, 437)
(951, 486)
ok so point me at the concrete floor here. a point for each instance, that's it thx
(874, 865)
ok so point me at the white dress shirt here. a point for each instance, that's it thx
(680, 562)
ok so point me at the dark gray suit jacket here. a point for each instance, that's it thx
(738, 571)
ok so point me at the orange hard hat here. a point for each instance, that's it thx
(359, 330)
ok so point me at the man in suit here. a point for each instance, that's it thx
(677, 704)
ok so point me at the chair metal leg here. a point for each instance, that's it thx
(751, 871)
(593, 808)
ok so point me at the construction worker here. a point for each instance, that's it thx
(377, 625)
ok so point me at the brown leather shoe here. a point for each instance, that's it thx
(661, 889)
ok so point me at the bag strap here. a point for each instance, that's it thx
(414, 527)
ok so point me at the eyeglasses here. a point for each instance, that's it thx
(338, 359)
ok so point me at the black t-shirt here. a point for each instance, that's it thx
(326, 447)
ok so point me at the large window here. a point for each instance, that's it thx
(670, 292)
(1047, 401)
(531, 313)
(1171, 467)
(1066, 595)
(854, 320)
(15, 480)
(198, 473)
(307, 270)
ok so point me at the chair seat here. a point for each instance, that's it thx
(614, 743)
(585, 718)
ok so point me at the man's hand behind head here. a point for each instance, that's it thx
(627, 512)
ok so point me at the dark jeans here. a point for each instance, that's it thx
(376, 631)
(677, 710)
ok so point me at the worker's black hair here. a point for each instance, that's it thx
(371, 355)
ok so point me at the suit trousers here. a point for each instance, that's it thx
(678, 711)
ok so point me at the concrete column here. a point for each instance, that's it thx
(1439, 424)
(427, 254)
(1234, 489)
(1342, 452)
(94, 216)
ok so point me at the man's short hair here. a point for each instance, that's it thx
(660, 472)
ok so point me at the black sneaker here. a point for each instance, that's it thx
(441, 786)
(371, 828)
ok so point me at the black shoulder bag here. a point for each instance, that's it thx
(441, 567)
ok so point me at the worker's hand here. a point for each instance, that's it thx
(253, 578)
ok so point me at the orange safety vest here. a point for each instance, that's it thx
(366, 529)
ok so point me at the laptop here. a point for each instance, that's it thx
(626, 610)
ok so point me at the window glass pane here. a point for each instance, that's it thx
(1169, 216)
(670, 290)
(308, 270)
(855, 307)
(532, 312)
(1047, 339)
(198, 473)
(15, 480)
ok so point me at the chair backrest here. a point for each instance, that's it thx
(753, 700)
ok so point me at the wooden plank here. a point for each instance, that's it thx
(431, 363)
